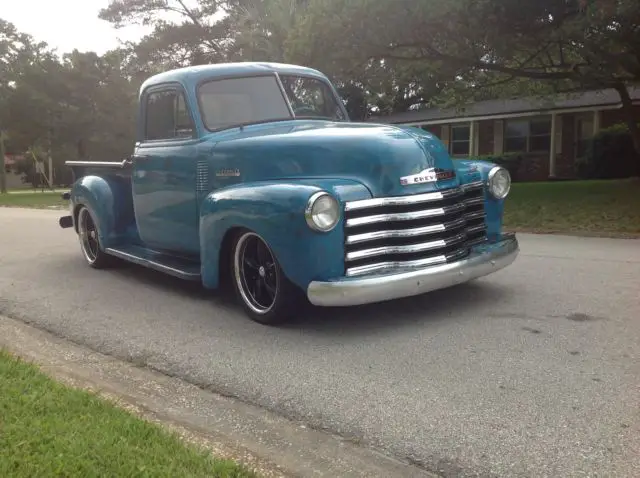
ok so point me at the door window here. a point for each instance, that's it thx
(167, 116)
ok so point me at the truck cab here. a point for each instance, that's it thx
(252, 174)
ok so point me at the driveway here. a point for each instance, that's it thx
(533, 371)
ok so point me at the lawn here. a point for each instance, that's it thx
(33, 199)
(602, 208)
(48, 429)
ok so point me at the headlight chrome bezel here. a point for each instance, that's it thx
(309, 211)
(491, 178)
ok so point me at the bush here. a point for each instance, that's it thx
(610, 155)
(510, 161)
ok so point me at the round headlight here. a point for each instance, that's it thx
(499, 182)
(322, 212)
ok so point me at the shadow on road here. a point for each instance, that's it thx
(452, 303)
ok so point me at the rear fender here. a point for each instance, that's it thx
(275, 211)
(110, 202)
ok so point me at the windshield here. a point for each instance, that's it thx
(241, 101)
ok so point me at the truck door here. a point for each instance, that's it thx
(164, 173)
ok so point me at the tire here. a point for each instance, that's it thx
(265, 293)
(90, 241)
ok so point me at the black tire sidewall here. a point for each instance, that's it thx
(103, 260)
(287, 301)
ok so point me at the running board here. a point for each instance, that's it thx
(172, 265)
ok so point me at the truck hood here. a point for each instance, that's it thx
(378, 156)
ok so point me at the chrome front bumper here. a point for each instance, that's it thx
(483, 260)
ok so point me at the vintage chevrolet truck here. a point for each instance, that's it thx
(252, 175)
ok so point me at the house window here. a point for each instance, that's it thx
(527, 135)
(460, 139)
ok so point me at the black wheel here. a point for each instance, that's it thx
(90, 242)
(266, 294)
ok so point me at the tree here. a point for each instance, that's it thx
(18, 52)
(81, 105)
(568, 45)
(184, 32)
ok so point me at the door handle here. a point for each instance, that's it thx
(139, 157)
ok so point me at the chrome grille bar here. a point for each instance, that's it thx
(415, 199)
(412, 232)
(423, 246)
(406, 216)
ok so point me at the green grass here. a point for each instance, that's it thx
(47, 429)
(599, 208)
(31, 199)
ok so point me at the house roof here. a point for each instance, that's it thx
(507, 107)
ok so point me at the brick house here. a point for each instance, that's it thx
(550, 134)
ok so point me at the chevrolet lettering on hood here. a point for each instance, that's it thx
(429, 175)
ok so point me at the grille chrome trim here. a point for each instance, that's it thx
(407, 232)
(421, 247)
(401, 233)
(389, 266)
(406, 216)
(403, 200)
(410, 200)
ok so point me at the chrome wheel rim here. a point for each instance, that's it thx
(256, 273)
(88, 235)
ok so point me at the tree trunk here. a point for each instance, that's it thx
(3, 171)
(629, 117)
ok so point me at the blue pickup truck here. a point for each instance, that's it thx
(252, 175)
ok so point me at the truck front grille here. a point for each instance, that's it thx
(387, 234)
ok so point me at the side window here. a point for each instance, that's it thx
(167, 116)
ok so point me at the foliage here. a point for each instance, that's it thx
(610, 155)
(79, 106)
(383, 57)
(489, 47)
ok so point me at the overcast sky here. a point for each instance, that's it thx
(67, 24)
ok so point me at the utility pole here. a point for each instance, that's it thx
(3, 171)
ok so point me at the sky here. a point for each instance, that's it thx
(67, 24)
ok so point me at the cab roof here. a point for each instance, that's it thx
(192, 75)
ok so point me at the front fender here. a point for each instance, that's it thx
(474, 170)
(110, 203)
(275, 211)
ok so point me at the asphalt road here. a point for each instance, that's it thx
(533, 371)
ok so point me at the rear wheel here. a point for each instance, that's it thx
(267, 296)
(90, 242)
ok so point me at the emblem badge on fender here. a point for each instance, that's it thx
(228, 173)
(429, 175)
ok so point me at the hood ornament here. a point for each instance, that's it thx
(429, 175)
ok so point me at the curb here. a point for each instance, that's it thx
(270, 444)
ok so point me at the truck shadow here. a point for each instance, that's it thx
(441, 305)
(447, 304)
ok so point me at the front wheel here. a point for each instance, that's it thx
(90, 242)
(266, 294)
